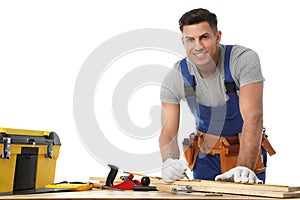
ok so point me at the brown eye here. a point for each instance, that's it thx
(204, 37)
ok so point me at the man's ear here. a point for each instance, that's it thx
(218, 36)
(182, 40)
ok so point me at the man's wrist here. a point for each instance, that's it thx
(248, 164)
(169, 155)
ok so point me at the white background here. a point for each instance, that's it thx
(43, 45)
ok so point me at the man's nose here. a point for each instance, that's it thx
(198, 45)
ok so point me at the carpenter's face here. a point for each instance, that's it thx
(201, 43)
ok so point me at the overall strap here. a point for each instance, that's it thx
(189, 88)
(229, 82)
(189, 80)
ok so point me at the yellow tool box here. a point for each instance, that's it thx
(27, 159)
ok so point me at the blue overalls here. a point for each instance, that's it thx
(223, 120)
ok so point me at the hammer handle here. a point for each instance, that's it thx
(165, 188)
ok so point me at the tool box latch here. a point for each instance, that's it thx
(49, 153)
(53, 140)
(6, 147)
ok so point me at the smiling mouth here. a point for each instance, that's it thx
(199, 54)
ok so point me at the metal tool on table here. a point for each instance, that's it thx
(186, 189)
(183, 190)
(128, 182)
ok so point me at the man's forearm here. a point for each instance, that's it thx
(168, 138)
(252, 112)
(168, 147)
(250, 144)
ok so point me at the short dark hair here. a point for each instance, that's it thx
(199, 15)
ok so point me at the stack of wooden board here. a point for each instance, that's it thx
(262, 190)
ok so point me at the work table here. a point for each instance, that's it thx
(97, 194)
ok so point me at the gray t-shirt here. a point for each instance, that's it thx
(244, 67)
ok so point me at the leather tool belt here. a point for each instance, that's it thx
(228, 148)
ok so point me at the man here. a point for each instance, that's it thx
(223, 86)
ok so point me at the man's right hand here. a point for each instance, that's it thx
(173, 169)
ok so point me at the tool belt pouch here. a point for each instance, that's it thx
(191, 150)
(229, 155)
(227, 147)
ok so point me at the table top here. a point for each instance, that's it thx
(111, 194)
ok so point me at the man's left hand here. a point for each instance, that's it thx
(239, 174)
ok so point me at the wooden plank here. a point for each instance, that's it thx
(251, 192)
(263, 187)
(248, 186)
(264, 190)
(240, 191)
(282, 188)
